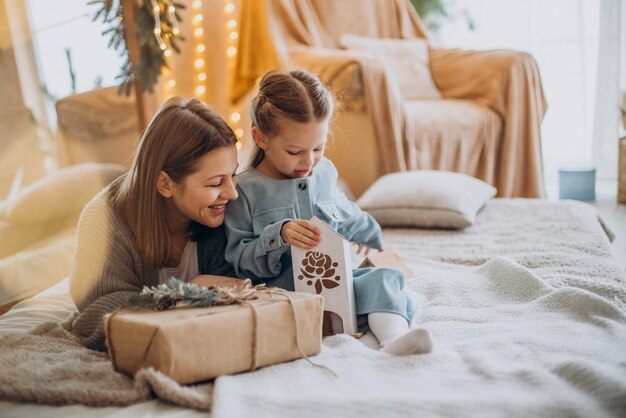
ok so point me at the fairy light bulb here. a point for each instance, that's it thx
(199, 62)
(231, 35)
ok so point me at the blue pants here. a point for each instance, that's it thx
(379, 289)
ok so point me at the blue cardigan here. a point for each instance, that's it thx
(253, 221)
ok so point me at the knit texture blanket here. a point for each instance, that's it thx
(539, 330)
(49, 365)
(506, 343)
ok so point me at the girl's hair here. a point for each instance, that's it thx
(296, 95)
(180, 133)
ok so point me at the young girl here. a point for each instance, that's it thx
(163, 218)
(290, 181)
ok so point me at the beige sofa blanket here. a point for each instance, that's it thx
(305, 33)
(48, 365)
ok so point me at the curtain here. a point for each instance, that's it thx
(607, 102)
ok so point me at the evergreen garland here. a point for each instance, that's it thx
(151, 55)
(175, 293)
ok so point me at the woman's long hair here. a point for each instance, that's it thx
(180, 133)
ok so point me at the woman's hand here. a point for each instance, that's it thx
(206, 280)
(303, 234)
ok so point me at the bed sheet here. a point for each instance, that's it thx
(527, 309)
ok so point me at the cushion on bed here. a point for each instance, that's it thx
(427, 199)
(65, 192)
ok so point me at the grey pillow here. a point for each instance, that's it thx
(426, 198)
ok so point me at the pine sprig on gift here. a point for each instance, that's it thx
(175, 293)
(151, 52)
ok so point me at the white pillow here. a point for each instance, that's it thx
(407, 59)
(62, 193)
(427, 199)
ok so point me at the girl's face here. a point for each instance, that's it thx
(293, 150)
(202, 196)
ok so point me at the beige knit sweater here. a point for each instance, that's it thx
(107, 268)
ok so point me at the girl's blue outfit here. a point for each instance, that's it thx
(257, 251)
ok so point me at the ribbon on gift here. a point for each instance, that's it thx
(241, 294)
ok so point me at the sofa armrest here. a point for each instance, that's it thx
(485, 77)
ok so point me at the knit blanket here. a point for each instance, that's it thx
(506, 343)
(49, 365)
(537, 330)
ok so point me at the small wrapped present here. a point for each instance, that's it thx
(195, 344)
(388, 259)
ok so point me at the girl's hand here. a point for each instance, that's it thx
(361, 247)
(303, 234)
(206, 280)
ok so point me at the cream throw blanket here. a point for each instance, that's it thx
(506, 344)
(49, 365)
(306, 33)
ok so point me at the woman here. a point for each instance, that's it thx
(163, 218)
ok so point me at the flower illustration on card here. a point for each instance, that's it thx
(318, 268)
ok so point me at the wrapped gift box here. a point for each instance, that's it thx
(195, 344)
(388, 259)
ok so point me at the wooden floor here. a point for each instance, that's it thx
(613, 212)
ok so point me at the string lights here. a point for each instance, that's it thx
(231, 53)
(170, 82)
(199, 65)
(200, 49)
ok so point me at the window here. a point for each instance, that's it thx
(566, 52)
(56, 26)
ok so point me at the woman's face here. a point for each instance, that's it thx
(202, 196)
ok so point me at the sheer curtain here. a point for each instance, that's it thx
(607, 103)
(574, 43)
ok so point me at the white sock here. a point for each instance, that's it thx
(396, 337)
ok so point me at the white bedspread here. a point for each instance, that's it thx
(527, 312)
(506, 344)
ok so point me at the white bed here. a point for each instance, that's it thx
(527, 312)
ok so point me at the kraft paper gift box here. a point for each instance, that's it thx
(388, 259)
(196, 344)
(327, 270)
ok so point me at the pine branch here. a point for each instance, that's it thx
(151, 58)
(175, 293)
